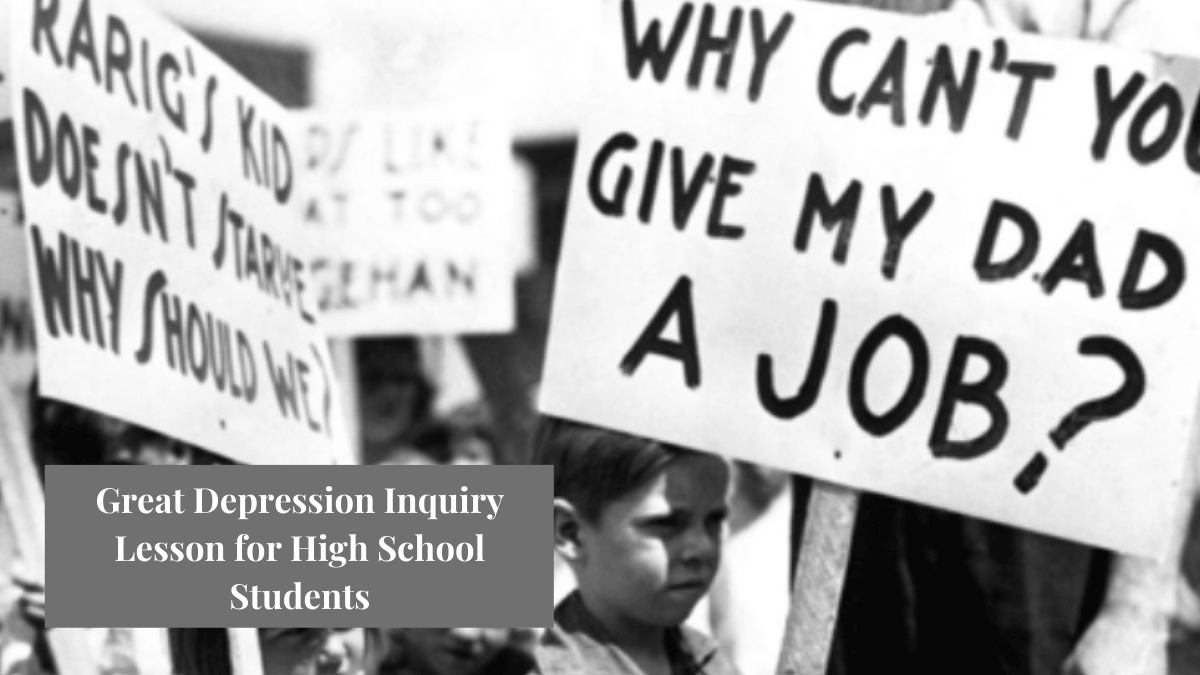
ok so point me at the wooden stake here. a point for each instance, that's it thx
(245, 657)
(344, 365)
(152, 648)
(820, 576)
(25, 504)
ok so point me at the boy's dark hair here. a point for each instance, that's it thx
(594, 467)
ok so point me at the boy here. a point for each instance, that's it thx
(640, 523)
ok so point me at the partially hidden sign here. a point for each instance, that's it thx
(949, 266)
(411, 222)
(18, 358)
(5, 68)
(163, 225)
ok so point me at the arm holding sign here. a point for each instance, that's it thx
(33, 596)
(1164, 26)
(1130, 634)
(23, 647)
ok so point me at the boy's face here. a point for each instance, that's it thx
(652, 554)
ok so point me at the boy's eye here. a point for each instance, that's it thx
(665, 523)
(716, 519)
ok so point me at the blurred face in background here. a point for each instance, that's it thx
(389, 409)
(393, 392)
(126, 443)
(471, 449)
(312, 651)
(408, 456)
(451, 651)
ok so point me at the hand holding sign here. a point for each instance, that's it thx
(33, 595)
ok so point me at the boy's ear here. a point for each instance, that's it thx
(566, 530)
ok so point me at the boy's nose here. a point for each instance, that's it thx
(700, 547)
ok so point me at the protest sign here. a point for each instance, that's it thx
(163, 233)
(947, 266)
(5, 69)
(17, 356)
(410, 221)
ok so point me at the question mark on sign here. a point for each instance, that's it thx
(1095, 410)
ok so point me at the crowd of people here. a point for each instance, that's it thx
(639, 529)
(636, 522)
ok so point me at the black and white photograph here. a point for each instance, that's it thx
(664, 337)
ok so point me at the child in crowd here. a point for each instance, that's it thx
(641, 524)
(463, 437)
(285, 651)
(68, 434)
(395, 396)
(455, 651)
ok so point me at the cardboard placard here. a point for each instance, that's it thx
(163, 221)
(5, 66)
(941, 264)
(411, 222)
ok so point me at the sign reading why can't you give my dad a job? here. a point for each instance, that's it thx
(162, 222)
(410, 219)
(945, 265)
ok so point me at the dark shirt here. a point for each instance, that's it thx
(578, 644)
(937, 593)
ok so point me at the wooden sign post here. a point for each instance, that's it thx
(825, 546)
(819, 579)
(245, 655)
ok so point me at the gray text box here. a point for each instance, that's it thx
(500, 572)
